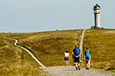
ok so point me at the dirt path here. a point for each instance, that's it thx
(81, 44)
(71, 71)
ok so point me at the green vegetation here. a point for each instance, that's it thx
(48, 47)
(101, 43)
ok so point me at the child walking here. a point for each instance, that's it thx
(66, 57)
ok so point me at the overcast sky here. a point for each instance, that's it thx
(48, 15)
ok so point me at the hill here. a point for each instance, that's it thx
(16, 62)
(48, 47)
(101, 43)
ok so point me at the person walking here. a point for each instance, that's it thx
(76, 56)
(87, 58)
(66, 57)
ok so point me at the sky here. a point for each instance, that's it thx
(49, 15)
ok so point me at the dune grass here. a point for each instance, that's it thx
(16, 62)
(101, 43)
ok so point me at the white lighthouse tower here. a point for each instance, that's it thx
(97, 16)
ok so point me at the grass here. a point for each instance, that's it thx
(16, 62)
(48, 47)
(101, 43)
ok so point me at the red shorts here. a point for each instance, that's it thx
(66, 58)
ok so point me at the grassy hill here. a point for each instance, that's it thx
(101, 43)
(16, 62)
(48, 47)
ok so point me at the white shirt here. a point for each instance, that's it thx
(66, 54)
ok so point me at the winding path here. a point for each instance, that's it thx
(16, 41)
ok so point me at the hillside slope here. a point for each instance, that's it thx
(16, 62)
(101, 43)
(49, 47)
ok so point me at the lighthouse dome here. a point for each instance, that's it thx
(97, 6)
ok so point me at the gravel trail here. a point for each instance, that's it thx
(71, 71)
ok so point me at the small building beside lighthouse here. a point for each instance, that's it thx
(96, 10)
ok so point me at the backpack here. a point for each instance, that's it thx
(77, 51)
(87, 53)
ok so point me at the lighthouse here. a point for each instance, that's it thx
(96, 10)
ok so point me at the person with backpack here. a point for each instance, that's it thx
(66, 58)
(88, 58)
(76, 56)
